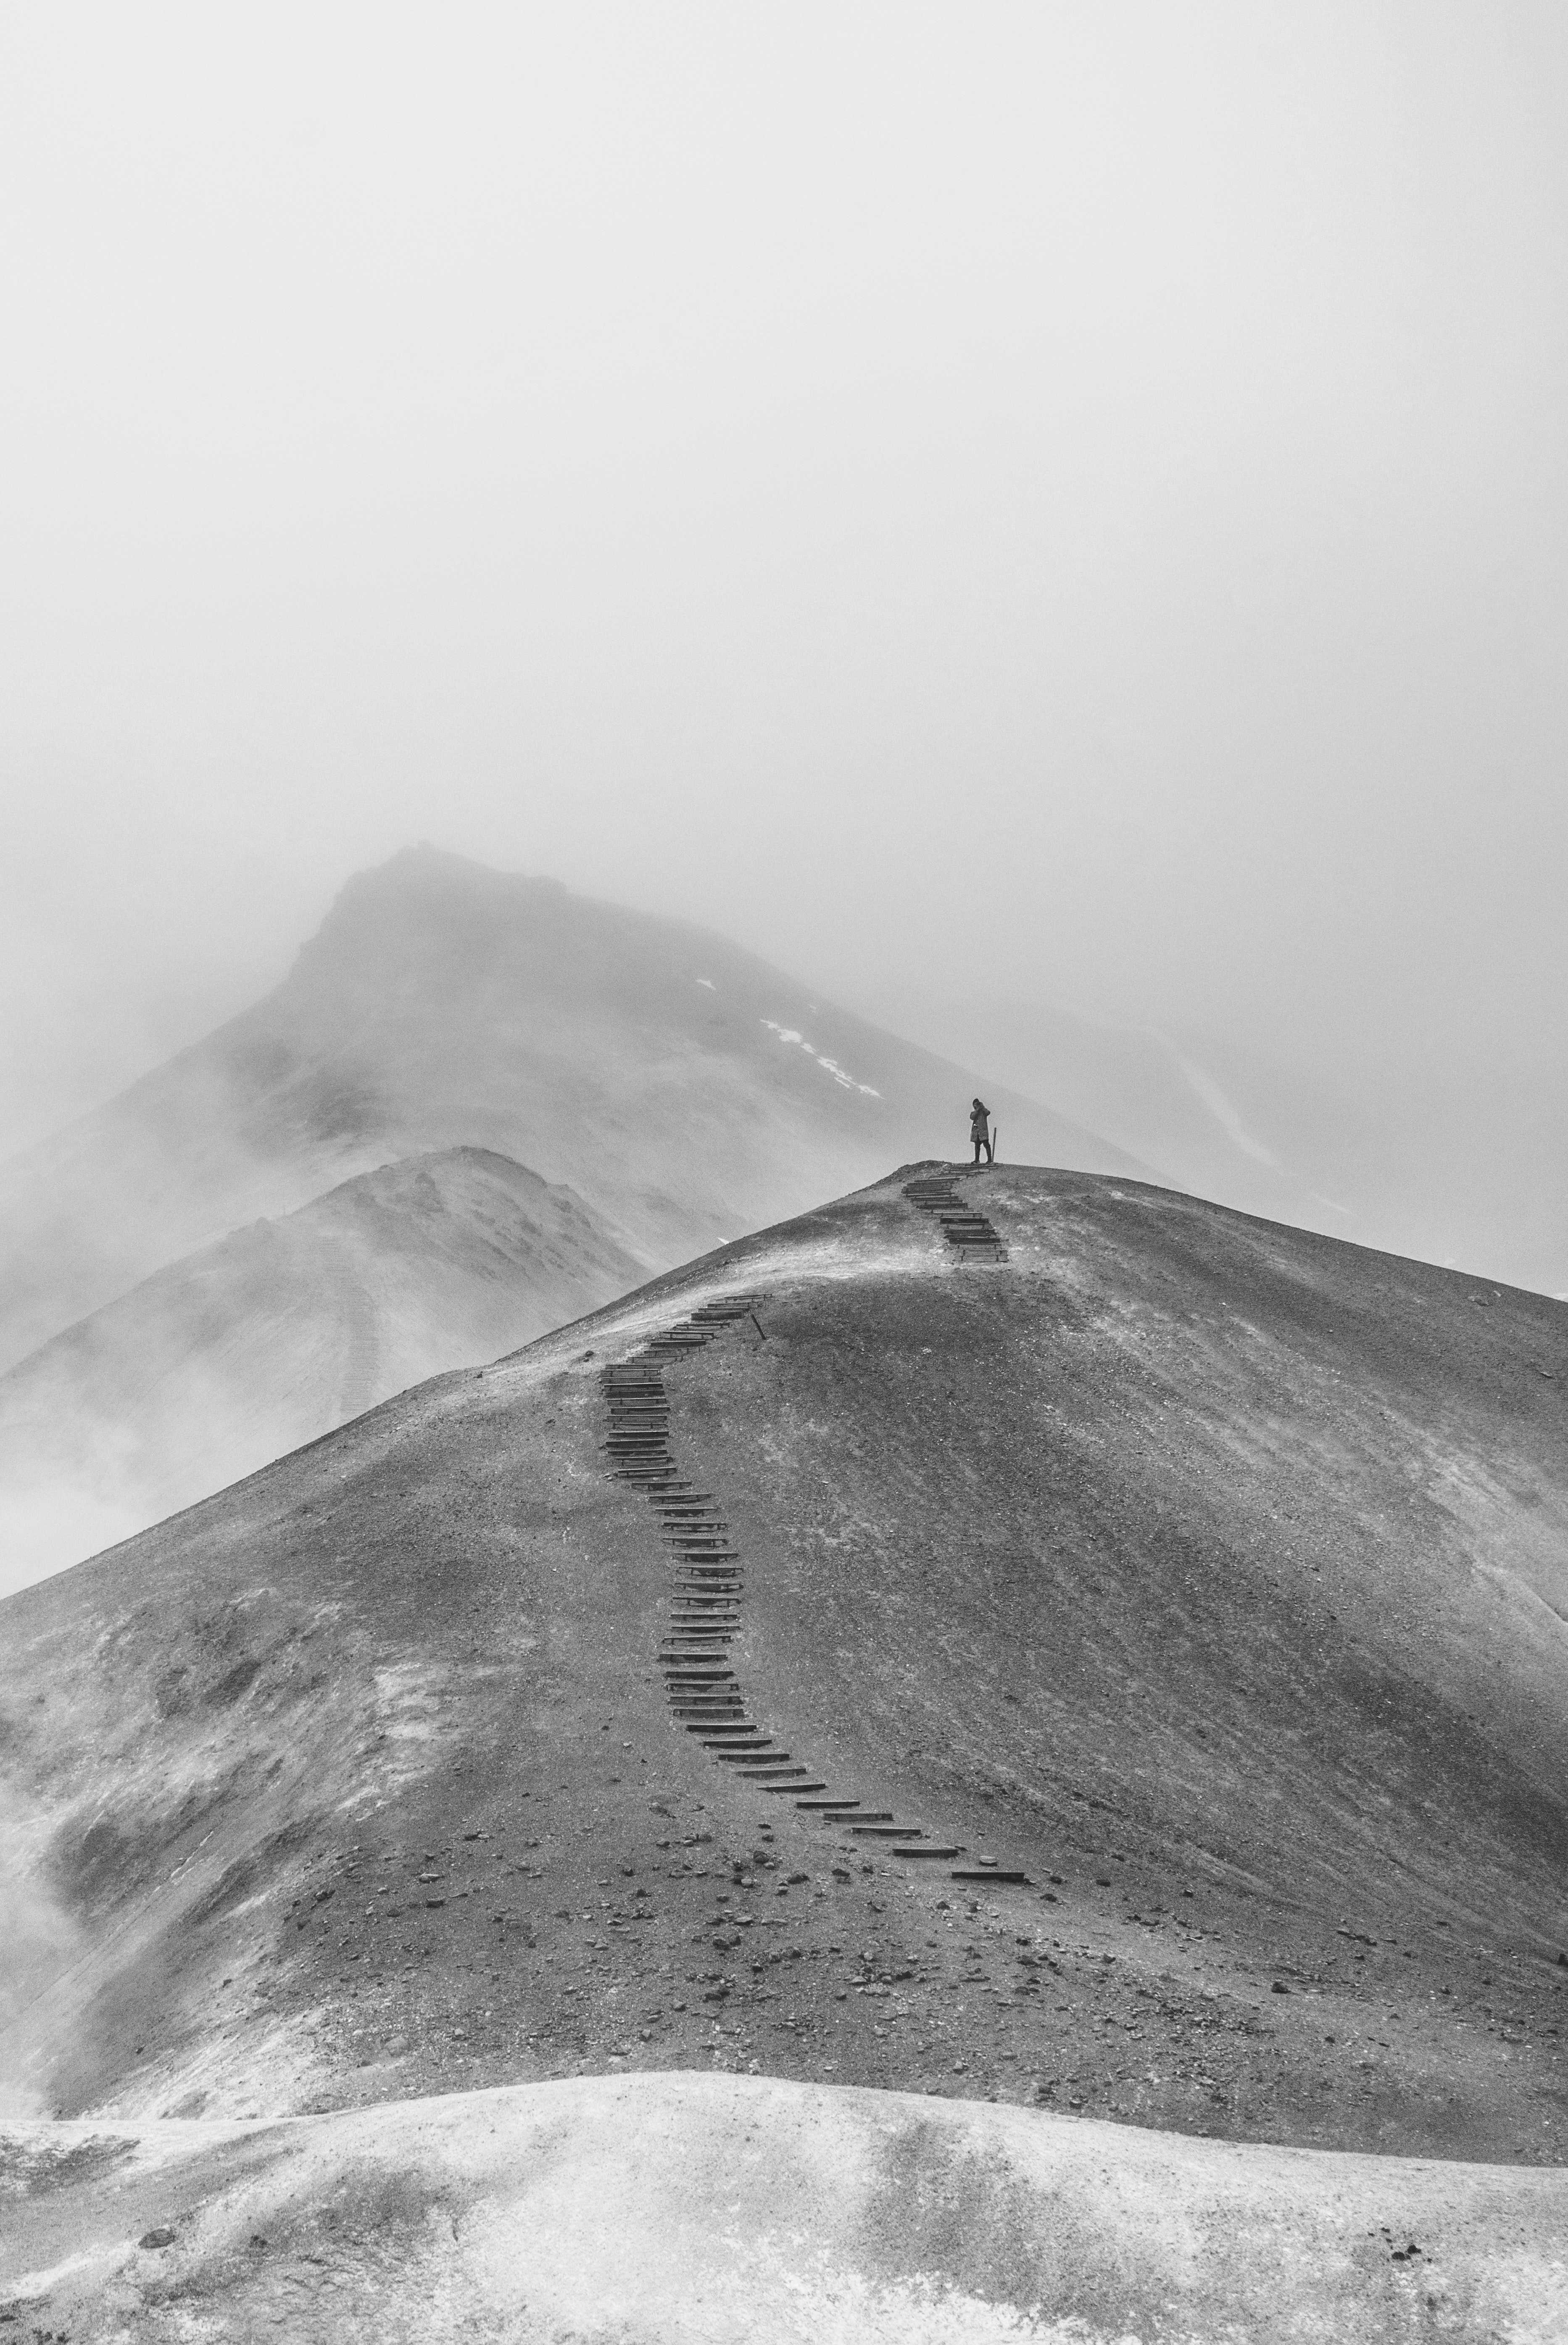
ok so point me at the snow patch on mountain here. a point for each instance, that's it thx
(793, 1034)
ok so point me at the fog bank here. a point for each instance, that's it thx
(1077, 492)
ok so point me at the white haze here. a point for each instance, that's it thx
(1046, 503)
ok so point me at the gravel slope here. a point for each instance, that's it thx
(1206, 1573)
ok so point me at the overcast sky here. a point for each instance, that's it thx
(1071, 495)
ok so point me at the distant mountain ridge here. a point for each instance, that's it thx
(247, 1348)
(686, 1090)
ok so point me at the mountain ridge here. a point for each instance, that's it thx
(280, 1330)
(441, 1004)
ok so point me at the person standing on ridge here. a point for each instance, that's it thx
(980, 1130)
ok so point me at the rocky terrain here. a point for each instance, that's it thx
(682, 1691)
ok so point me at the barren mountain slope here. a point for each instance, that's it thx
(222, 1361)
(684, 1089)
(1209, 1574)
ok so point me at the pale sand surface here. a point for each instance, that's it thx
(717, 2208)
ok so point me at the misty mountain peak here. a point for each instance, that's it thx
(682, 1087)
